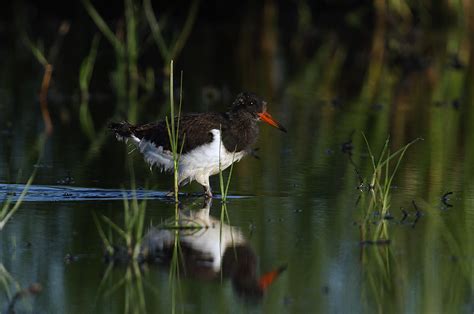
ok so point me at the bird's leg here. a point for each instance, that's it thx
(204, 211)
(207, 204)
(207, 191)
(204, 181)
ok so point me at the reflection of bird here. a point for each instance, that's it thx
(205, 253)
(207, 139)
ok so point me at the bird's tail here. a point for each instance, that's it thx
(122, 130)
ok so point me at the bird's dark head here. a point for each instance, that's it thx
(250, 104)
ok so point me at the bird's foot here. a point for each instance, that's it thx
(207, 192)
(170, 196)
(207, 202)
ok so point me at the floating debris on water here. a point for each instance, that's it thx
(445, 199)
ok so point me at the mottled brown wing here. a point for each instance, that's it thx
(193, 128)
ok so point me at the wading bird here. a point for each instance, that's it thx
(212, 141)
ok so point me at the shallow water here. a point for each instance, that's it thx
(43, 193)
(297, 205)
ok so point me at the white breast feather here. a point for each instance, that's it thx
(203, 161)
(197, 164)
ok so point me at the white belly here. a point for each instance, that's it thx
(202, 162)
(197, 164)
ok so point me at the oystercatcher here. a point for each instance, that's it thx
(212, 252)
(205, 134)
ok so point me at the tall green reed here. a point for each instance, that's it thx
(381, 181)
(170, 51)
(172, 126)
(8, 210)
(134, 212)
(133, 226)
(125, 76)
(131, 235)
(47, 62)
(224, 215)
(132, 87)
(133, 287)
(85, 76)
(174, 275)
(225, 187)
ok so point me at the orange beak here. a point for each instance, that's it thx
(266, 117)
(268, 278)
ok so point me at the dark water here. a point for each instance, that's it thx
(298, 205)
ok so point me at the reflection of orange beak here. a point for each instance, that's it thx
(267, 279)
(266, 117)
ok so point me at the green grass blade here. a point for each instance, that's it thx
(187, 28)
(229, 177)
(115, 287)
(401, 150)
(103, 27)
(121, 232)
(35, 49)
(372, 158)
(102, 235)
(126, 209)
(15, 207)
(85, 76)
(173, 130)
(155, 30)
(87, 66)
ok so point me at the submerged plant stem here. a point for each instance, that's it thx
(48, 71)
